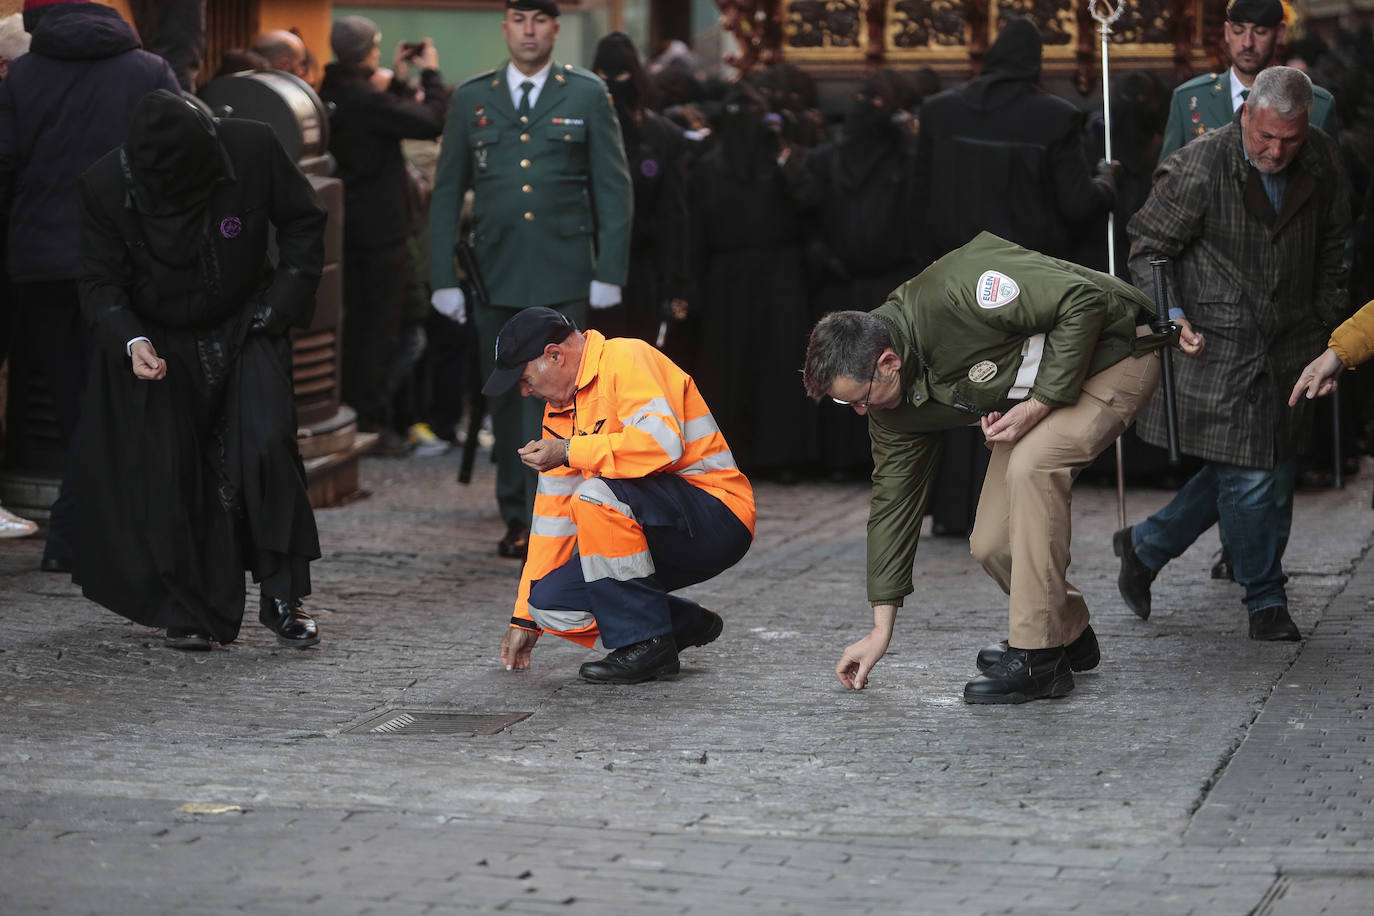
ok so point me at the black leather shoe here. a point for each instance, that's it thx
(293, 626)
(1083, 653)
(187, 639)
(516, 543)
(1272, 624)
(1135, 577)
(642, 661)
(1021, 675)
(707, 630)
(56, 564)
(1222, 568)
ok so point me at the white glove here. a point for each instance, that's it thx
(603, 295)
(450, 303)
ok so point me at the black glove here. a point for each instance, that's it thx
(1105, 177)
(267, 320)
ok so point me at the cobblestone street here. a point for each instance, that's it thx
(1195, 771)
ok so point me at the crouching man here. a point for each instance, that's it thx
(638, 495)
(1048, 358)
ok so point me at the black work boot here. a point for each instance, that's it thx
(641, 661)
(1135, 577)
(1273, 624)
(705, 632)
(293, 626)
(1021, 675)
(1083, 652)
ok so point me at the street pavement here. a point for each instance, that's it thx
(1194, 772)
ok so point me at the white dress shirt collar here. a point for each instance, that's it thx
(514, 78)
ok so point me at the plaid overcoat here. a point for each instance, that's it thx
(1265, 288)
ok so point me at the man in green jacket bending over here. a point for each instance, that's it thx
(1053, 360)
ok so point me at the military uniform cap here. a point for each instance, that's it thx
(549, 7)
(1268, 13)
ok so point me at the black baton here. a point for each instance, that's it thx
(1160, 324)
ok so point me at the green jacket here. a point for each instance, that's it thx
(983, 328)
(552, 198)
(1203, 103)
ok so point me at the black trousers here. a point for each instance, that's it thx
(49, 334)
(374, 303)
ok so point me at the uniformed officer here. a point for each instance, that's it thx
(1048, 357)
(1252, 33)
(539, 145)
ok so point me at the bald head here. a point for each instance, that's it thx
(283, 50)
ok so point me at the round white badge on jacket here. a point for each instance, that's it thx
(995, 289)
(982, 371)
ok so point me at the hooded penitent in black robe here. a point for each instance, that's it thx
(864, 218)
(750, 293)
(194, 478)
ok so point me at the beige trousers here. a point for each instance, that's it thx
(1022, 529)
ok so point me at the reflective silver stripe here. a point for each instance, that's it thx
(699, 428)
(635, 566)
(595, 490)
(649, 418)
(561, 620)
(720, 461)
(662, 433)
(1031, 352)
(553, 526)
(559, 485)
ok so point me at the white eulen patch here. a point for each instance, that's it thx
(995, 289)
(982, 371)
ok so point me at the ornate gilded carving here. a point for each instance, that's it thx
(914, 24)
(1057, 21)
(824, 24)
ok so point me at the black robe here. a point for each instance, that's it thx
(863, 224)
(191, 479)
(750, 299)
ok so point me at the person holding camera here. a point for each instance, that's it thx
(367, 126)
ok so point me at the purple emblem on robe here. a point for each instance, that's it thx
(230, 227)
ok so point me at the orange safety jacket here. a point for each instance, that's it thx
(635, 413)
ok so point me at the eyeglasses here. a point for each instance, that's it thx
(864, 403)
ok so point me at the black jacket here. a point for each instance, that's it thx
(64, 105)
(366, 130)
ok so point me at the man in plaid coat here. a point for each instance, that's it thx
(1254, 217)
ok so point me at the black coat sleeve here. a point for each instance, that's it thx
(107, 272)
(299, 218)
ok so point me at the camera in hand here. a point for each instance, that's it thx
(412, 48)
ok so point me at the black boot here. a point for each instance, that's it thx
(642, 661)
(293, 626)
(1021, 675)
(1083, 652)
(1273, 624)
(705, 632)
(1222, 568)
(188, 639)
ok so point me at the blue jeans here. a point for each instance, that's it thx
(1255, 508)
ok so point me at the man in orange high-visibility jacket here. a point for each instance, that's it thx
(638, 495)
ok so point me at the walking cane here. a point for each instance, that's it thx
(1107, 13)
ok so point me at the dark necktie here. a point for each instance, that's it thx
(524, 108)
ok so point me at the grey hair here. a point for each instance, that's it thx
(1286, 91)
(843, 344)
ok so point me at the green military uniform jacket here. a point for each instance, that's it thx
(552, 203)
(1203, 103)
(986, 326)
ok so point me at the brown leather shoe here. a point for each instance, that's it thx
(516, 543)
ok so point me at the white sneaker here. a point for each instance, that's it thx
(12, 526)
(425, 442)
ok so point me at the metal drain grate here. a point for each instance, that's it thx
(434, 722)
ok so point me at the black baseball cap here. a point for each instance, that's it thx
(1267, 13)
(534, 6)
(522, 339)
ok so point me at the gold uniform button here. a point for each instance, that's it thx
(527, 189)
(524, 120)
(524, 163)
(524, 138)
(567, 136)
(529, 216)
(480, 142)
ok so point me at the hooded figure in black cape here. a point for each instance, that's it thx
(189, 461)
(1002, 155)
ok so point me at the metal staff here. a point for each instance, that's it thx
(1160, 324)
(1107, 13)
